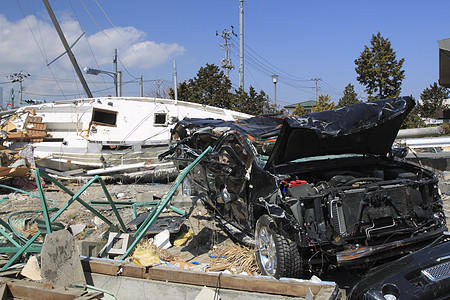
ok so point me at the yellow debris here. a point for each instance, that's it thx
(182, 239)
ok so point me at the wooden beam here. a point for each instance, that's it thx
(32, 290)
(291, 288)
(235, 282)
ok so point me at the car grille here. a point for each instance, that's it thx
(437, 272)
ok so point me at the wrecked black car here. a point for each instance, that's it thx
(423, 274)
(315, 191)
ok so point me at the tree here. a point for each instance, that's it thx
(210, 87)
(379, 70)
(413, 120)
(252, 102)
(350, 96)
(324, 103)
(432, 100)
(299, 110)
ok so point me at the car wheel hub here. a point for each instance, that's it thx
(267, 251)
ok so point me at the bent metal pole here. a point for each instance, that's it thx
(68, 50)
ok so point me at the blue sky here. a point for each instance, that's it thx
(299, 40)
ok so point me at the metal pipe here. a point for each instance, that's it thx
(68, 50)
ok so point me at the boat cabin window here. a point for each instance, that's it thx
(160, 119)
(104, 117)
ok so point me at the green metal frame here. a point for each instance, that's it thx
(140, 232)
(29, 246)
(138, 235)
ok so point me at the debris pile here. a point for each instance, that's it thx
(127, 232)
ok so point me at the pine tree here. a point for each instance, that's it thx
(252, 102)
(299, 110)
(432, 100)
(379, 70)
(413, 120)
(350, 96)
(324, 103)
(210, 87)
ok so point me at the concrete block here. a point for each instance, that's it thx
(77, 228)
(60, 262)
(90, 248)
(145, 196)
(118, 243)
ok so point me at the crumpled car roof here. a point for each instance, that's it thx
(259, 129)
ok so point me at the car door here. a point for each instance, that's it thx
(227, 178)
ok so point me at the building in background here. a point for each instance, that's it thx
(307, 105)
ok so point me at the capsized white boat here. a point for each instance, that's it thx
(103, 132)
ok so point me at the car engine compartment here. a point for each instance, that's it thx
(365, 204)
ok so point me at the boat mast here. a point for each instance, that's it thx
(68, 50)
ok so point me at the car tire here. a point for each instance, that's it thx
(276, 255)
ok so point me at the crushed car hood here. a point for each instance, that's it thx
(364, 128)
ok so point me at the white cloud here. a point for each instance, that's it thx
(133, 49)
(19, 50)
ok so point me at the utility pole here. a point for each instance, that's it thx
(226, 62)
(115, 72)
(18, 77)
(175, 81)
(316, 80)
(68, 50)
(141, 86)
(12, 98)
(241, 42)
(119, 83)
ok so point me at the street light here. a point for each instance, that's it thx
(275, 79)
(91, 71)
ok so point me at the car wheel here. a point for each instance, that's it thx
(276, 255)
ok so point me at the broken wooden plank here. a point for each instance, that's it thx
(286, 287)
(13, 172)
(235, 282)
(101, 266)
(107, 267)
(32, 290)
(25, 135)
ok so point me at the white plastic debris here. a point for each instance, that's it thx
(161, 240)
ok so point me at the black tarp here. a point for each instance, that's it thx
(364, 128)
